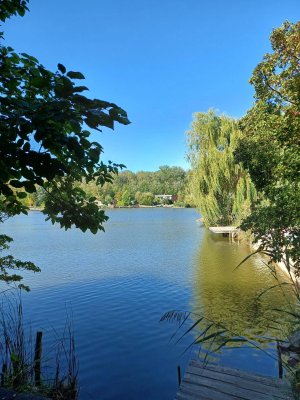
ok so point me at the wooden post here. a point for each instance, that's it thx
(178, 375)
(37, 358)
(280, 369)
(4, 371)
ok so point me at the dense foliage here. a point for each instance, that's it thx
(270, 147)
(44, 141)
(12, 7)
(221, 188)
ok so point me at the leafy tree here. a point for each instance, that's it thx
(170, 180)
(270, 147)
(144, 198)
(45, 142)
(145, 181)
(127, 198)
(125, 181)
(221, 189)
(108, 199)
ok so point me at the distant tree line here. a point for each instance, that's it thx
(129, 189)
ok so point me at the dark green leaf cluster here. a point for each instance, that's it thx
(44, 141)
(12, 7)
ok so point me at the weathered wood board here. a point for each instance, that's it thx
(210, 382)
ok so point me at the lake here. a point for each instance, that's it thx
(117, 284)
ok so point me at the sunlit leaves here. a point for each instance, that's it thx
(270, 148)
(221, 188)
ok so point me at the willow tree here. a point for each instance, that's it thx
(222, 189)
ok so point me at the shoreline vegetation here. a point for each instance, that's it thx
(245, 173)
(112, 207)
(168, 186)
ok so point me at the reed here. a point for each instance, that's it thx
(24, 367)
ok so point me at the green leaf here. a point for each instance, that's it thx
(61, 68)
(75, 75)
(21, 195)
(31, 58)
(94, 230)
(39, 82)
(16, 184)
(63, 87)
(94, 155)
(78, 89)
(26, 146)
(29, 187)
(92, 121)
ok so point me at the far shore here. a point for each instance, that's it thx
(117, 207)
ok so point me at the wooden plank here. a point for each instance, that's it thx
(228, 373)
(210, 382)
(185, 395)
(267, 380)
(199, 383)
(207, 393)
(220, 393)
(236, 381)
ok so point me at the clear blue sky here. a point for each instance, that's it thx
(161, 60)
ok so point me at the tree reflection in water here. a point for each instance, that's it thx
(231, 296)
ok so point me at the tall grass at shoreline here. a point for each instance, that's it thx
(26, 370)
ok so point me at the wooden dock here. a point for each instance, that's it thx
(210, 382)
(230, 231)
(223, 229)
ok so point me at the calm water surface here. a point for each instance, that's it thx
(117, 285)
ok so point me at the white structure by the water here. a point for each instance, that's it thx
(223, 229)
(230, 231)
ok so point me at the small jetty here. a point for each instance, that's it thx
(230, 231)
(211, 382)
